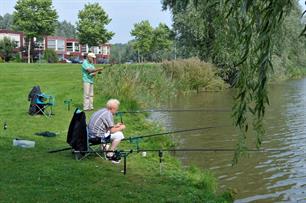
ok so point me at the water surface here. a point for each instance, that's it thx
(260, 177)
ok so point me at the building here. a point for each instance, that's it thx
(64, 47)
(18, 37)
(70, 47)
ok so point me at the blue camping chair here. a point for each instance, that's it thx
(44, 104)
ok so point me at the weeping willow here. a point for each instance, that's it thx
(251, 26)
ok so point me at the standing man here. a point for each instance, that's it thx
(102, 126)
(88, 74)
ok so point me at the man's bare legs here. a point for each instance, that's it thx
(113, 147)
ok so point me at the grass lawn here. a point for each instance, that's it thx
(33, 175)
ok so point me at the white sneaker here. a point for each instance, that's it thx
(116, 162)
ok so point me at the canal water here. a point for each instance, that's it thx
(258, 177)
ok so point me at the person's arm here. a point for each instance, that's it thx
(89, 68)
(92, 70)
(117, 127)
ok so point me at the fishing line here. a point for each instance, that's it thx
(137, 138)
(172, 110)
(209, 150)
(170, 132)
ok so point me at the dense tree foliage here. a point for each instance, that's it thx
(65, 29)
(143, 33)
(212, 41)
(152, 44)
(7, 47)
(123, 53)
(50, 56)
(240, 36)
(289, 55)
(36, 18)
(6, 21)
(162, 42)
(91, 28)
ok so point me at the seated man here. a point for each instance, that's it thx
(101, 125)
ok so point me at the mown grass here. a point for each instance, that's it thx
(33, 175)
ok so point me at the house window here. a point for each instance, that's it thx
(51, 44)
(83, 49)
(96, 50)
(104, 50)
(60, 45)
(76, 47)
(108, 50)
(69, 46)
(17, 43)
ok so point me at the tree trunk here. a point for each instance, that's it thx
(138, 56)
(175, 51)
(29, 50)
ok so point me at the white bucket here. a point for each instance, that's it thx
(23, 143)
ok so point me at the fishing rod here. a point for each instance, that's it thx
(121, 113)
(161, 152)
(172, 110)
(136, 139)
(209, 150)
(169, 132)
(125, 153)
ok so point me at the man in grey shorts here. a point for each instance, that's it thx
(102, 125)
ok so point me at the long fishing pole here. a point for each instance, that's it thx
(170, 132)
(209, 150)
(161, 152)
(131, 139)
(172, 110)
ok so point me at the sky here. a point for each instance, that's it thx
(124, 13)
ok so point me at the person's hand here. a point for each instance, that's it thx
(100, 69)
(118, 125)
(122, 127)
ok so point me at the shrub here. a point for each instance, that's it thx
(1, 60)
(16, 58)
(193, 74)
(7, 48)
(50, 56)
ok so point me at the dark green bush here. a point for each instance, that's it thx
(16, 58)
(50, 56)
(7, 47)
(193, 74)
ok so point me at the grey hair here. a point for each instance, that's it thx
(112, 102)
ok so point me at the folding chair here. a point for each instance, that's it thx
(40, 103)
(44, 104)
(83, 146)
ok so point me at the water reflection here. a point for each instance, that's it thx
(260, 177)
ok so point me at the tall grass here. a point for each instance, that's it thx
(140, 84)
(148, 84)
(193, 74)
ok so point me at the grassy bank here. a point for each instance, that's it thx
(33, 175)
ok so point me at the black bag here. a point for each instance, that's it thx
(77, 132)
(32, 98)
